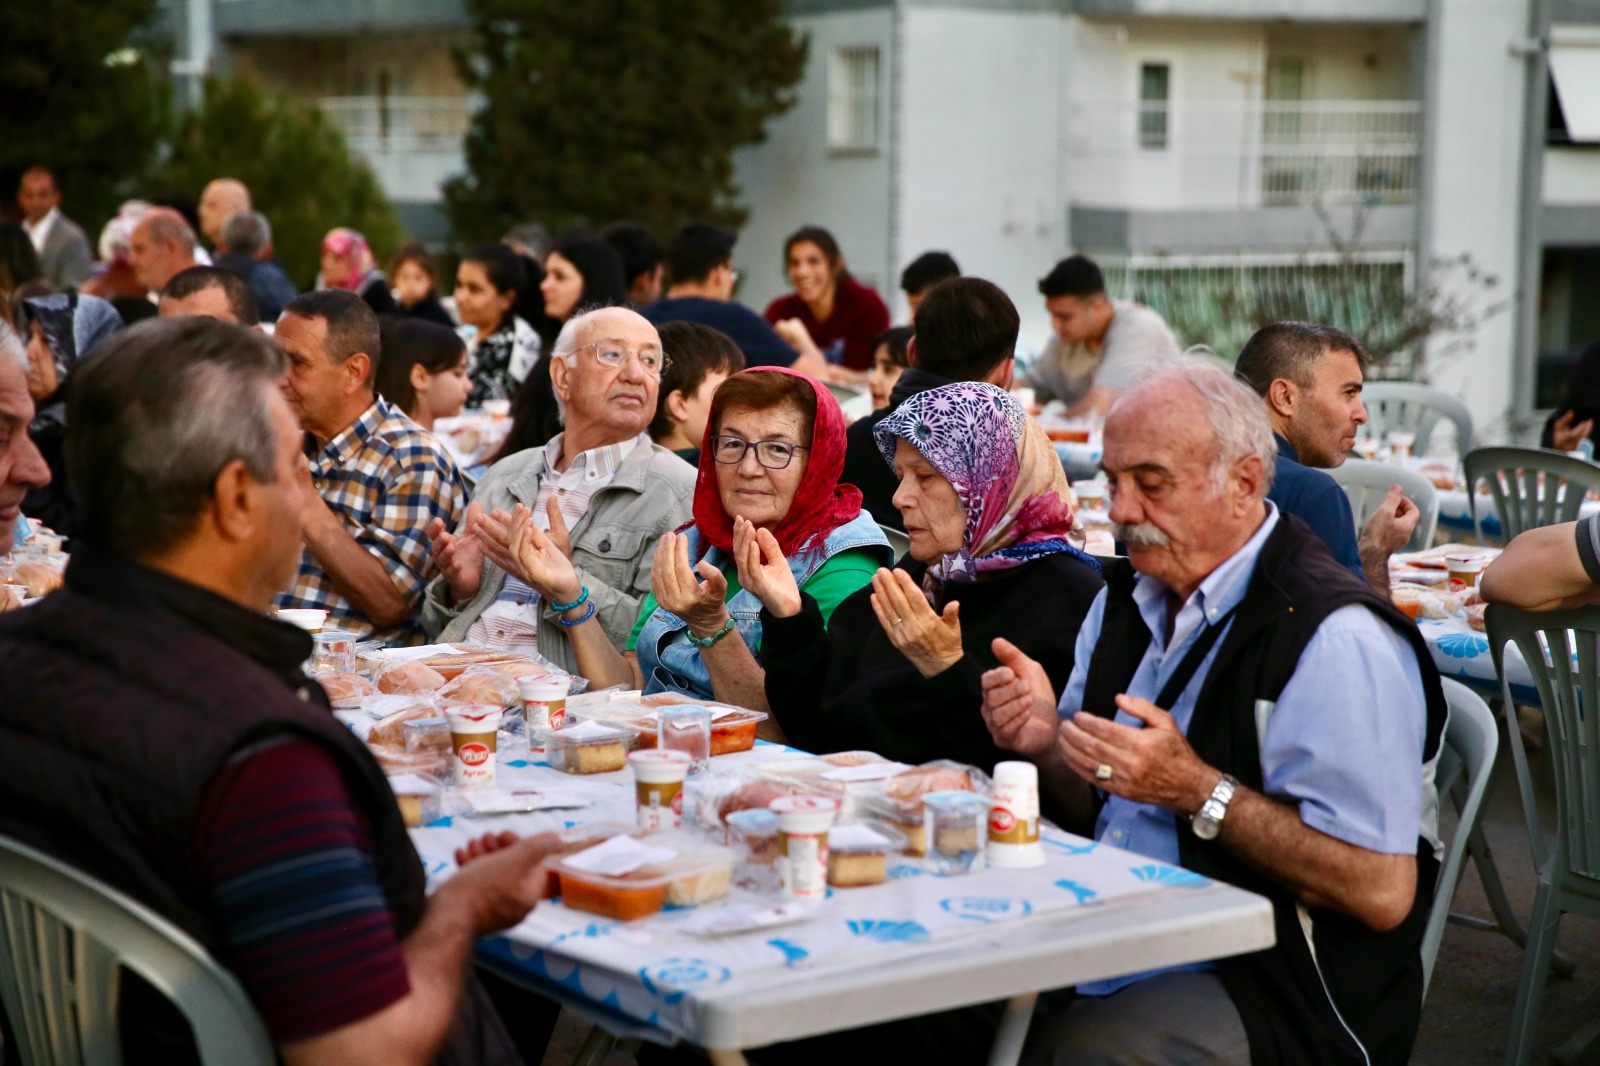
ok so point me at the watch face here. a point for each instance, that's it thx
(1206, 827)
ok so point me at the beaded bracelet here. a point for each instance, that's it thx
(706, 642)
(579, 602)
(579, 620)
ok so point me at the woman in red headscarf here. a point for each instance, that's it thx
(773, 452)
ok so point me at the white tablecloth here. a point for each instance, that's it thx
(656, 973)
(1462, 653)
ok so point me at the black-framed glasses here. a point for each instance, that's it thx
(772, 454)
(611, 355)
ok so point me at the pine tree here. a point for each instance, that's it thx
(300, 173)
(612, 109)
(80, 99)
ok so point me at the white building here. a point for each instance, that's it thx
(1204, 151)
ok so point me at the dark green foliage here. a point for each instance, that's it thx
(78, 99)
(611, 109)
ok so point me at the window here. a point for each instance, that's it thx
(853, 96)
(1575, 70)
(1154, 98)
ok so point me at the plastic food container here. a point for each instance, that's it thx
(702, 873)
(955, 823)
(730, 733)
(858, 853)
(430, 735)
(754, 836)
(587, 748)
(418, 798)
(306, 618)
(907, 819)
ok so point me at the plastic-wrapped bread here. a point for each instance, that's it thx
(345, 691)
(409, 679)
(478, 684)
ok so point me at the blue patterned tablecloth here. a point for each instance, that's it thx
(1462, 653)
(656, 972)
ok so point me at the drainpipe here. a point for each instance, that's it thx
(197, 51)
(896, 78)
(1535, 53)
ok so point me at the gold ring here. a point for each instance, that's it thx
(1103, 772)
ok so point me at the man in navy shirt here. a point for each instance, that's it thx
(700, 268)
(1310, 376)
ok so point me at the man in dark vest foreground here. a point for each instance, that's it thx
(1245, 706)
(157, 732)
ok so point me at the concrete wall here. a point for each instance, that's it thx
(980, 160)
(1474, 147)
(1370, 62)
(792, 179)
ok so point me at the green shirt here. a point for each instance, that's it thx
(832, 584)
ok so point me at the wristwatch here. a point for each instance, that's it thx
(1207, 822)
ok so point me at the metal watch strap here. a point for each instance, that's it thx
(1215, 808)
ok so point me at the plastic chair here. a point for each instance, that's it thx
(899, 542)
(1520, 483)
(1405, 405)
(1568, 681)
(1467, 756)
(63, 936)
(1367, 483)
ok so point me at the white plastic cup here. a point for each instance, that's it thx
(1091, 494)
(687, 729)
(305, 617)
(803, 824)
(658, 786)
(474, 733)
(1464, 571)
(497, 408)
(1014, 817)
(1401, 444)
(544, 702)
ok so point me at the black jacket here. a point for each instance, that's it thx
(1297, 1007)
(848, 687)
(863, 462)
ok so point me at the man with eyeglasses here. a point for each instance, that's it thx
(601, 485)
(701, 280)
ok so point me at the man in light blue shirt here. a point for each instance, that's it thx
(1247, 707)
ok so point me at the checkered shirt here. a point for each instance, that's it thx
(387, 478)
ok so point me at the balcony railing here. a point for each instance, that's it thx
(412, 143)
(1232, 155)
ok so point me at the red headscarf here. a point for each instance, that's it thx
(821, 504)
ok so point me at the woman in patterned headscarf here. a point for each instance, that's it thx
(898, 669)
(348, 264)
(61, 331)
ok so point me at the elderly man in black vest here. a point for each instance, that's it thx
(156, 730)
(1249, 708)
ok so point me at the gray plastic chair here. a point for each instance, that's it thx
(1467, 757)
(1562, 650)
(1367, 483)
(1531, 487)
(1405, 405)
(63, 936)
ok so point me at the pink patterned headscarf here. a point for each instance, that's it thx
(1002, 466)
(352, 247)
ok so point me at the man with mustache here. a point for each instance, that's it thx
(1310, 377)
(602, 478)
(1245, 707)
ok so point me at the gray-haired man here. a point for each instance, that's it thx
(614, 488)
(248, 239)
(1248, 708)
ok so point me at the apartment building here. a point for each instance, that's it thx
(1214, 155)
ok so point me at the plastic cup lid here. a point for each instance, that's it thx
(803, 805)
(754, 820)
(660, 755)
(956, 801)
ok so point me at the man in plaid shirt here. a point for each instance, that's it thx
(373, 481)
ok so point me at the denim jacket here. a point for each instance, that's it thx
(613, 545)
(670, 663)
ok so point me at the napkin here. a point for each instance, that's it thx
(617, 856)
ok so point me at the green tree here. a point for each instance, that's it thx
(80, 99)
(301, 174)
(612, 109)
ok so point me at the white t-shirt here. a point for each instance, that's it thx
(1137, 342)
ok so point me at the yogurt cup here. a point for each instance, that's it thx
(1014, 817)
(1464, 570)
(544, 706)
(658, 786)
(474, 731)
(1091, 494)
(803, 823)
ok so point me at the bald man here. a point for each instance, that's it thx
(221, 200)
(162, 244)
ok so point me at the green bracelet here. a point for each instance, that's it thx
(706, 642)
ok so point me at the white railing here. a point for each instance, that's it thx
(412, 143)
(1258, 154)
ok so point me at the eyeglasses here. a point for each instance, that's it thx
(612, 355)
(772, 454)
